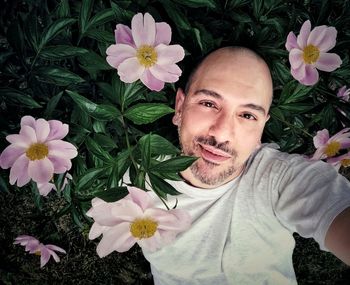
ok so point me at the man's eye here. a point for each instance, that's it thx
(248, 116)
(208, 104)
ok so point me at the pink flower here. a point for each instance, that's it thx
(134, 219)
(309, 52)
(143, 52)
(343, 93)
(341, 160)
(46, 187)
(33, 246)
(37, 152)
(329, 146)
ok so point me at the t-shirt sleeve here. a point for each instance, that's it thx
(310, 195)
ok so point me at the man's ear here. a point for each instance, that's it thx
(180, 99)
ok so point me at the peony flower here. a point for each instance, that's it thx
(33, 246)
(133, 219)
(143, 52)
(341, 160)
(309, 52)
(37, 152)
(46, 187)
(343, 93)
(329, 146)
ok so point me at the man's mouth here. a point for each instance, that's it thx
(213, 154)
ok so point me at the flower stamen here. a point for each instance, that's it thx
(345, 162)
(146, 55)
(332, 148)
(143, 228)
(311, 54)
(37, 151)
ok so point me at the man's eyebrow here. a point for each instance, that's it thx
(218, 96)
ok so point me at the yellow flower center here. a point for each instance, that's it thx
(345, 162)
(143, 228)
(146, 55)
(37, 252)
(311, 54)
(37, 151)
(332, 148)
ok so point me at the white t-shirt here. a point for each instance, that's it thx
(241, 232)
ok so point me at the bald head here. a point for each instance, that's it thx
(236, 60)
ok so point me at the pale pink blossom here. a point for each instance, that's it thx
(343, 93)
(46, 187)
(327, 147)
(38, 151)
(309, 52)
(143, 52)
(34, 246)
(341, 160)
(133, 219)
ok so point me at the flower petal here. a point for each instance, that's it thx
(151, 244)
(45, 256)
(166, 73)
(55, 248)
(311, 76)
(296, 58)
(40, 170)
(96, 230)
(291, 41)
(298, 73)
(28, 121)
(151, 82)
(117, 238)
(10, 155)
(116, 54)
(62, 149)
(130, 70)
(60, 164)
(321, 138)
(123, 35)
(304, 34)
(57, 130)
(127, 210)
(169, 54)
(323, 37)
(140, 197)
(28, 134)
(163, 34)
(19, 171)
(143, 29)
(45, 188)
(42, 130)
(328, 62)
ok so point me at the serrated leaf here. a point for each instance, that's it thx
(19, 98)
(57, 75)
(54, 29)
(145, 113)
(61, 52)
(175, 164)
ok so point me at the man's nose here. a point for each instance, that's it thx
(223, 128)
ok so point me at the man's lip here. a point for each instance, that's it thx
(213, 154)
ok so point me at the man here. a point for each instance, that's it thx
(245, 199)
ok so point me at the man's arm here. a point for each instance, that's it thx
(338, 236)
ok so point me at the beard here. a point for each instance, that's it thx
(206, 171)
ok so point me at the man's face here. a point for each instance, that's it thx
(222, 117)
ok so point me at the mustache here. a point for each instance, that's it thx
(214, 143)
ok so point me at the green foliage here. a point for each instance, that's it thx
(53, 66)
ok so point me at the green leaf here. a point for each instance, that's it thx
(176, 15)
(99, 112)
(61, 52)
(85, 12)
(130, 92)
(197, 3)
(94, 61)
(19, 98)
(57, 75)
(51, 105)
(89, 177)
(63, 9)
(100, 35)
(298, 107)
(174, 165)
(101, 18)
(122, 163)
(161, 187)
(97, 150)
(145, 148)
(54, 29)
(145, 113)
(120, 13)
(105, 142)
(31, 29)
(112, 194)
(159, 145)
(15, 37)
(294, 92)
